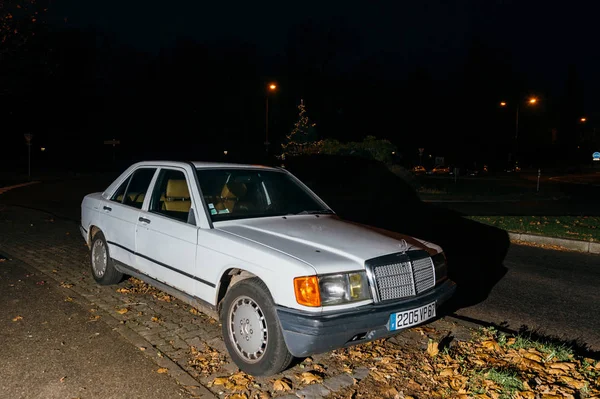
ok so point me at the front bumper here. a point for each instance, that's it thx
(306, 334)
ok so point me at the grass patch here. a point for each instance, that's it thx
(506, 380)
(552, 350)
(574, 227)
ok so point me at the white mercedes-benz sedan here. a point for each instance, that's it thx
(257, 249)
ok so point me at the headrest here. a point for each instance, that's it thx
(233, 190)
(177, 189)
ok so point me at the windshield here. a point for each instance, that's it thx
(250, 193)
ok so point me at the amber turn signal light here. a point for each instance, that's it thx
(307, 291)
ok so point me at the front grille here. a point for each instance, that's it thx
(401, 275)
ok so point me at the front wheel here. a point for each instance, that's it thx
(251, 329)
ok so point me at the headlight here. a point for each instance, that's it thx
(441, 270)
(333, 289)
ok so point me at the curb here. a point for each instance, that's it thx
(8, 188)
(574, 245)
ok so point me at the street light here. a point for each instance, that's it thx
(271, 88)
(530, 101)
(582, 120)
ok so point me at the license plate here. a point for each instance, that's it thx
(412, 317)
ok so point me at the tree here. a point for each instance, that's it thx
(370, 147)
(303, 137)
(17, 23)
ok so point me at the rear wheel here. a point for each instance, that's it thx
(251, 329)
(103, 268)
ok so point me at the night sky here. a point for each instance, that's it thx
(541, 39)
(420, 74)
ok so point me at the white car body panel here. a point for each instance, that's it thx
(327, 243)
(275, 249)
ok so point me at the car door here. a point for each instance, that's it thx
(167, 233)
(122, 213)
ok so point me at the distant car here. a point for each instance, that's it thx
(512, 169)
(440, 170)
(419, 170)
(255, 248)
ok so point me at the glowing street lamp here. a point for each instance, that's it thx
(582, 120)
(270, 88)
(530, 101)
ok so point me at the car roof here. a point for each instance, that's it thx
(203, 165)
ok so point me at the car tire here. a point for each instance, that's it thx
(103, 268)
(251, 329)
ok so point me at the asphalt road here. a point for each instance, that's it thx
(553, 292)
(43, 338)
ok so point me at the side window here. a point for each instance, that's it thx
(118, 195)
(136, 191)
(171, 196)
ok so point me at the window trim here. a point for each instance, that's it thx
(148, 209)
(130, 178)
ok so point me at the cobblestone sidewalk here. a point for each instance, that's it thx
(184, 343)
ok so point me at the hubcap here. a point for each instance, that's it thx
(248, 329)
(99, 258)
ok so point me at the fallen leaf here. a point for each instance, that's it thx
(573, 383)
(491, 345)
(194, 311)
(526, 395)
(155, 319)
(533, 356)
(432, 348)
(162, 370)
(308, 378)
(565, 366)
(238, 396)
(220, 381)
(447, 372)
(262, 395)
(17, 318)
(282, 384)
(63, 379)
(532, 364)
(122, 311)
(123, 290)
(66, 285)
(142, 348)
(68, 299)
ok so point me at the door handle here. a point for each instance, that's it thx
(144, 220)
(107, 208)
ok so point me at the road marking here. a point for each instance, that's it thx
(8, 188)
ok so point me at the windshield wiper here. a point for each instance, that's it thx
(319, 212)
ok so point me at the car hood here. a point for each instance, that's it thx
(327, 243)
